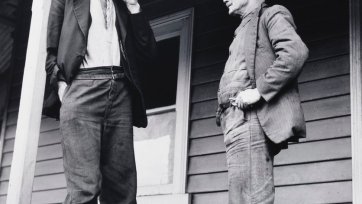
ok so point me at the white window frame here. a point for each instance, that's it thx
(178, 24)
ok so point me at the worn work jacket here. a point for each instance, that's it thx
(68, 26)
(275, 55)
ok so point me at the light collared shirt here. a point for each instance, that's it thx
(103, 44)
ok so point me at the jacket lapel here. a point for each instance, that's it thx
(250, 44)
(122, 19)
(82, 14)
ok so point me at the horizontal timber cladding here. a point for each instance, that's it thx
(333, 86)
(295, 152)
(316, 170)
(313, 110)
(297, 175)
(49, 173)
(316, 151)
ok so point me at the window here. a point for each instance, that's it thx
(161, 148)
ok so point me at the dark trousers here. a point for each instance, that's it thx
(249, 158)
(97, 139)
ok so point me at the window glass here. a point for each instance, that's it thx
(154, 145)
(160, 81)
(154, 149)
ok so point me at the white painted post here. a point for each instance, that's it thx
(183, 103)
(356, 97)
(29, 118)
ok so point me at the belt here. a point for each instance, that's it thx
(104, 72)
(225, 106)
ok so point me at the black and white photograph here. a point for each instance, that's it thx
(180, 102)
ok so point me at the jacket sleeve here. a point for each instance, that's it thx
(55, 23)
(145, 42)
(290, 51)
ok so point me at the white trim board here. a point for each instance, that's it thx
(356, 97)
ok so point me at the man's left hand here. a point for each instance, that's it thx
(246, 97)
(133, 6)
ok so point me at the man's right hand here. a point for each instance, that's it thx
(61, 88)
(246, 98)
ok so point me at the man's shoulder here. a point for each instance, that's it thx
(276, 11)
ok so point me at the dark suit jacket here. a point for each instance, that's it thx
(68, 26)
(275, 55)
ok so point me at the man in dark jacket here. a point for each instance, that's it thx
(96, 52)
(259, 104)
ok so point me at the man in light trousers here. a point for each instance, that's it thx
(259, 105)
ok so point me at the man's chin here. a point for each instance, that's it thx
(233, 12)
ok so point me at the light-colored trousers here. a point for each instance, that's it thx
(249, 158)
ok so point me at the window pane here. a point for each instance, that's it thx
(154, 149)
(160, 82)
